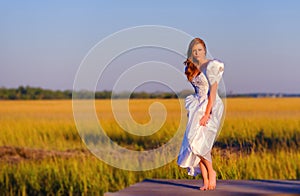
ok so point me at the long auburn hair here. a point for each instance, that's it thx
(190, 67)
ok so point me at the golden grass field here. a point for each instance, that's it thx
(42, 152)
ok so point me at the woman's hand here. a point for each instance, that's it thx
(204, 119)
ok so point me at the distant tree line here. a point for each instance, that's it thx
(33, 93)
(26, 93)
(37, 93)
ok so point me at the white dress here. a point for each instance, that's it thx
(198, 140)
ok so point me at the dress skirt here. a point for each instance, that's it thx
(198, 140)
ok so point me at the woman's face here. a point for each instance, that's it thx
(198, 52)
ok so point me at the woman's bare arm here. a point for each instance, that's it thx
(211, 100)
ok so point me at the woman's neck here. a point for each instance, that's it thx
(202, 62)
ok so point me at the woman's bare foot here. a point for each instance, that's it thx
(212, 180)
(205, 185)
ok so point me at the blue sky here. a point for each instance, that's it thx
(42, 43)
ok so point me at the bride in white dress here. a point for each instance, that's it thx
(205, 110)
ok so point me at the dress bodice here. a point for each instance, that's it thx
(210, 73)
(200, 84)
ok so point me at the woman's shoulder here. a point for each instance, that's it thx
(215, 64)
(214, 71)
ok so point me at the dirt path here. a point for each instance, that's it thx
(13, 154)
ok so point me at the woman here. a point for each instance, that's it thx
(205, 110)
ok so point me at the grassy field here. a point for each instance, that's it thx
(42, 152)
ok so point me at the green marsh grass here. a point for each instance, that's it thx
(260, 140)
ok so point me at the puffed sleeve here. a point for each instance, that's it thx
(215, 71)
